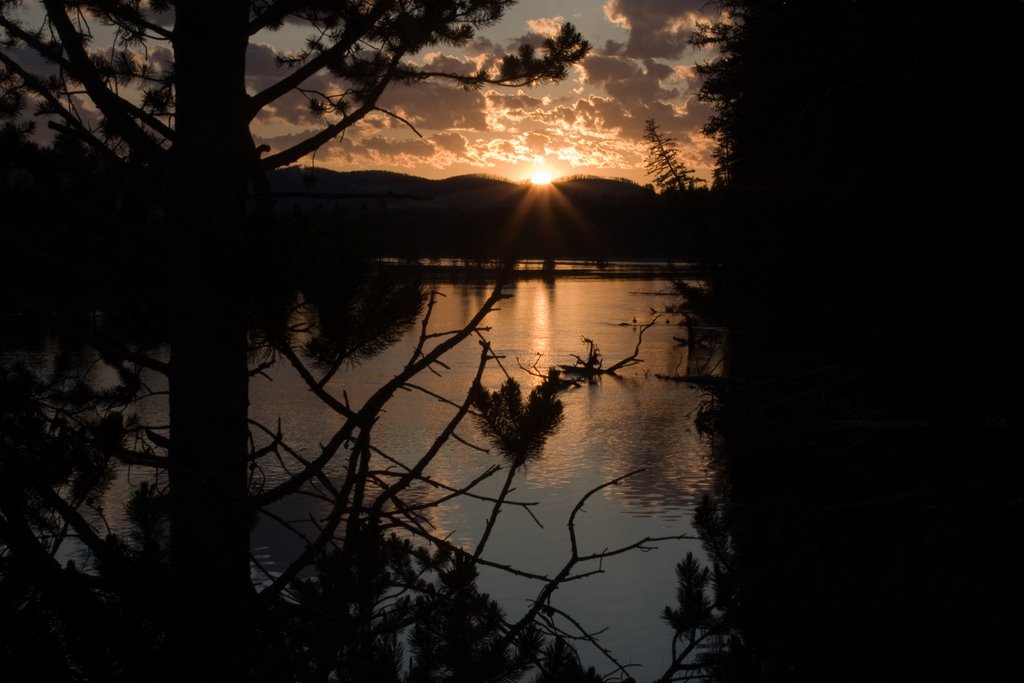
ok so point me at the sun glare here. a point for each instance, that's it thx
(540, 177)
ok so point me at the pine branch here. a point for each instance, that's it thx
(118, 112)
(354, 32)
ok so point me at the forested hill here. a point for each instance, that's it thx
(485, 217)
(322, 188)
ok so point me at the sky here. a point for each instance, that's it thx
(641, 66)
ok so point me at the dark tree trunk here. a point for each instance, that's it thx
(211, 161)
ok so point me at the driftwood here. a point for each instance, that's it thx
(592, 366)
(551, 374)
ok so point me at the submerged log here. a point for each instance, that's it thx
(592, 366)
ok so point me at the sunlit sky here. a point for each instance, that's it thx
(641, 67)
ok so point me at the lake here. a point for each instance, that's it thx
(611, 426)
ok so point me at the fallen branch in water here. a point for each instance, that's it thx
(592, 366)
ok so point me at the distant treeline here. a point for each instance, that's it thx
(592, 226)
(77, 235)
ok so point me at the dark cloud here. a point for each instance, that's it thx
(279, 143)
(514, 103)
(611, 48)
(600, 114)
(32, 61)
(450, 65)
(377, 151)
(451, 142)
(632, 83)
(437, 105)
(430, 105)
(536, 142)
(540, 30)
(512, 47)
(161, 57)
(601, 69)
(391, 148)
(292, 107)
(657, 70)
(261, 71)
(657, 28)
(481, 44)
(504, 147)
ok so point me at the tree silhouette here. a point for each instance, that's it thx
(169, 107)
(803, 116)
(670, 174)
(823, 188)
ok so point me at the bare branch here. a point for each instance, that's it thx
(399, 118)
(565, 574)
(441, 439)
(317, 387)
(551, 610)
(326, 535)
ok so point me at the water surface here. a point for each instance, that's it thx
(613, 426)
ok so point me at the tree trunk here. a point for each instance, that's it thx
(211, 161)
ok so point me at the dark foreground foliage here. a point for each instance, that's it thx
(869, 436)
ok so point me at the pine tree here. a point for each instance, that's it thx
(170, 106)
(670, 174)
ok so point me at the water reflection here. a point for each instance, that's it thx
(540, 331)
(612, 426)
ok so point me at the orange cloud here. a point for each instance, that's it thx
(547, 27)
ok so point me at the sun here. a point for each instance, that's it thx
(541, 177)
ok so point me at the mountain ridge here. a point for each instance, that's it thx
(295, 186)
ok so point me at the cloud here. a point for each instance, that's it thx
(657, 28)
(451, 142)
(482, 44)
(596, 127)
(595, 113)
(540, 30)
(361, 147)
(537, 143)
(436, 61)
(392, 148)
(262, 71)
(436, 105)
(635, 84)
(611, 48)
(601, 69)
(547, 27)
(261, 68)
(589, 134)
(430, 105)
(377, 152)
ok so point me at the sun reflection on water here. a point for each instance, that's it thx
(540, 328)
(611, 427)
